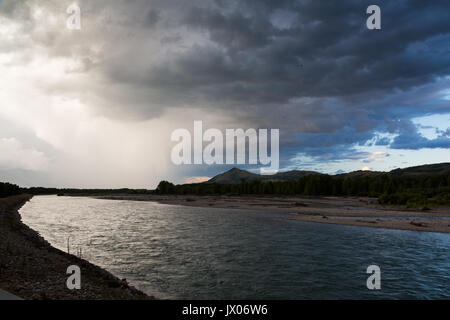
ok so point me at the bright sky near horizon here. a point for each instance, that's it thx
(95, 107)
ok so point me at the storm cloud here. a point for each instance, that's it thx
(310, 68)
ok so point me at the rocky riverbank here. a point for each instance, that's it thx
(32, 269)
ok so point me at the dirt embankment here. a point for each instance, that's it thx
(32, 269)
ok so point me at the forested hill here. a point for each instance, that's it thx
(235, 175)
(428, 169)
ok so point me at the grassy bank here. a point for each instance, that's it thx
(32, 269)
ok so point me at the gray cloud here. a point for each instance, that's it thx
(232, 54)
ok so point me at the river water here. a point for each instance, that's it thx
(176, 252)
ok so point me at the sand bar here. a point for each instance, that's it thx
(356, 211)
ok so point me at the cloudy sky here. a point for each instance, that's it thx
(96, 107)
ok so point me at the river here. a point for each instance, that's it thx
(176, 252)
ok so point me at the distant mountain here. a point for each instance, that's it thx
(360, 174)
(431, 169)
(236, 175)
(289, 175)
(427, 169)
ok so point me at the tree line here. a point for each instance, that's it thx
(397, 190)
(9, 189)
(420, 190)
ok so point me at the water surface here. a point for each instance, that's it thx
(201, 253)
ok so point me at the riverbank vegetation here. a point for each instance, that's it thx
(411, 191)
(8, 189)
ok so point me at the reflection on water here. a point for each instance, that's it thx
(201, 253)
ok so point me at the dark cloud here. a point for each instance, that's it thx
(446, 133)
(409, 137)
(383, 141)
(416, 141)
(310, 68)
(328, 52)
(321, 73)
(152, 18)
